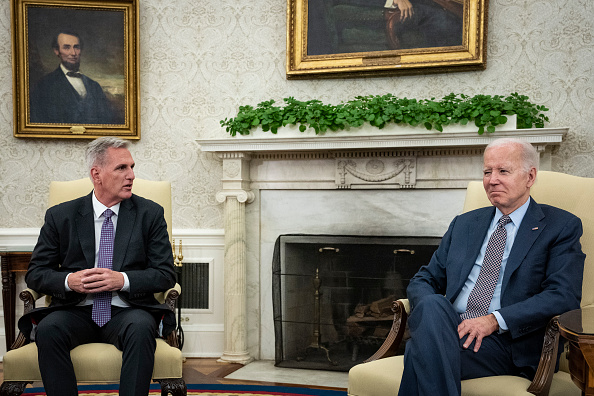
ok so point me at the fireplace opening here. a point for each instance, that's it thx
(332, 295)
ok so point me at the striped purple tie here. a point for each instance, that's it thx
(102, 301)
(482, 293)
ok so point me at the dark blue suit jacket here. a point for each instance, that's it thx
(543, 275)
(54, 100)
(67, 244)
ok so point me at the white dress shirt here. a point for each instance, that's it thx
(76, 82)
(98, 209)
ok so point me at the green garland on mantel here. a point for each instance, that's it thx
(486, 111)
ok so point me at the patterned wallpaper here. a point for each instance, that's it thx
(200, 60)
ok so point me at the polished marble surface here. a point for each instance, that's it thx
(264, 370)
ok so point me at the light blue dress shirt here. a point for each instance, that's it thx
(512, 229)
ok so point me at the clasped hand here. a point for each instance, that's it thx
(95, 280)
(477, 329)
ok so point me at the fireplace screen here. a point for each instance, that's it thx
(332, 295)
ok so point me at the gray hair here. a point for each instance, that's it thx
(529, 153)
(97, 149)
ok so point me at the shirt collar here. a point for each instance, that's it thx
(516, 216)
(65, 71)
(99, 208)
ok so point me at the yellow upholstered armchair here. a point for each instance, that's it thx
(381, 374)
(97, 362)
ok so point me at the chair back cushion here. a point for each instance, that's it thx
(571, 193)
(157, 191)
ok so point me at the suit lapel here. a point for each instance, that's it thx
(85, 221)
(126, 219)
(530, 229)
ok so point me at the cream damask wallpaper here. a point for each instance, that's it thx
(200, 60)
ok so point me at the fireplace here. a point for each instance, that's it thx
(332, 295)
(383, 183)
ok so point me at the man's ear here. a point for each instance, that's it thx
(95, 175)
(531, 177)
(56, 52)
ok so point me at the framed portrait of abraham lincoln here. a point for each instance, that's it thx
(75, 68)
(362, 38)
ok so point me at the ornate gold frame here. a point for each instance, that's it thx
(471, 55)
(86, 17)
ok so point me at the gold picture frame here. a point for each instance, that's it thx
(55, 99)
(363, 38)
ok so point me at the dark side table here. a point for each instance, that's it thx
(11, 262)
(577, 326)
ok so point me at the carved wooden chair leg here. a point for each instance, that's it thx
(12, 388)
(173, 386)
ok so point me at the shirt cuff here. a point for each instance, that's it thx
(501, 322)
(126, 287)
(66, 283)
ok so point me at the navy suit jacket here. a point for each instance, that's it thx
(543, 275)
(54, 100)
(67, 244)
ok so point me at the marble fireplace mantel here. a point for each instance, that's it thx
(356, 161)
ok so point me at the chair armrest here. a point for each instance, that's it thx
(29, 296)
(541, 384)
(169, 296)
(401, 308)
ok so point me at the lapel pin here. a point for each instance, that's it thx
(535, 228)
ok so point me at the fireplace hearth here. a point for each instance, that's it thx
(332, 295)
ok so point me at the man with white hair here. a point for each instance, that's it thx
(481, 305)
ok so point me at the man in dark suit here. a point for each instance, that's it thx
(481, 305)
(65, 95)
(68, 264)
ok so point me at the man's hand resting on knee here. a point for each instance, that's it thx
(477, 329)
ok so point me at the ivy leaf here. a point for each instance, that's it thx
(501, 119)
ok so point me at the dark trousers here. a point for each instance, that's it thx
(131, 330)
(435, 361)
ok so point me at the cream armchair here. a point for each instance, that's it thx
(97, 362)
(381, 374)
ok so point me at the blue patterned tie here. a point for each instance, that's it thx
(102, 301)
(482, 293)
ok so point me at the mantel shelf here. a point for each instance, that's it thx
(428, 139)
